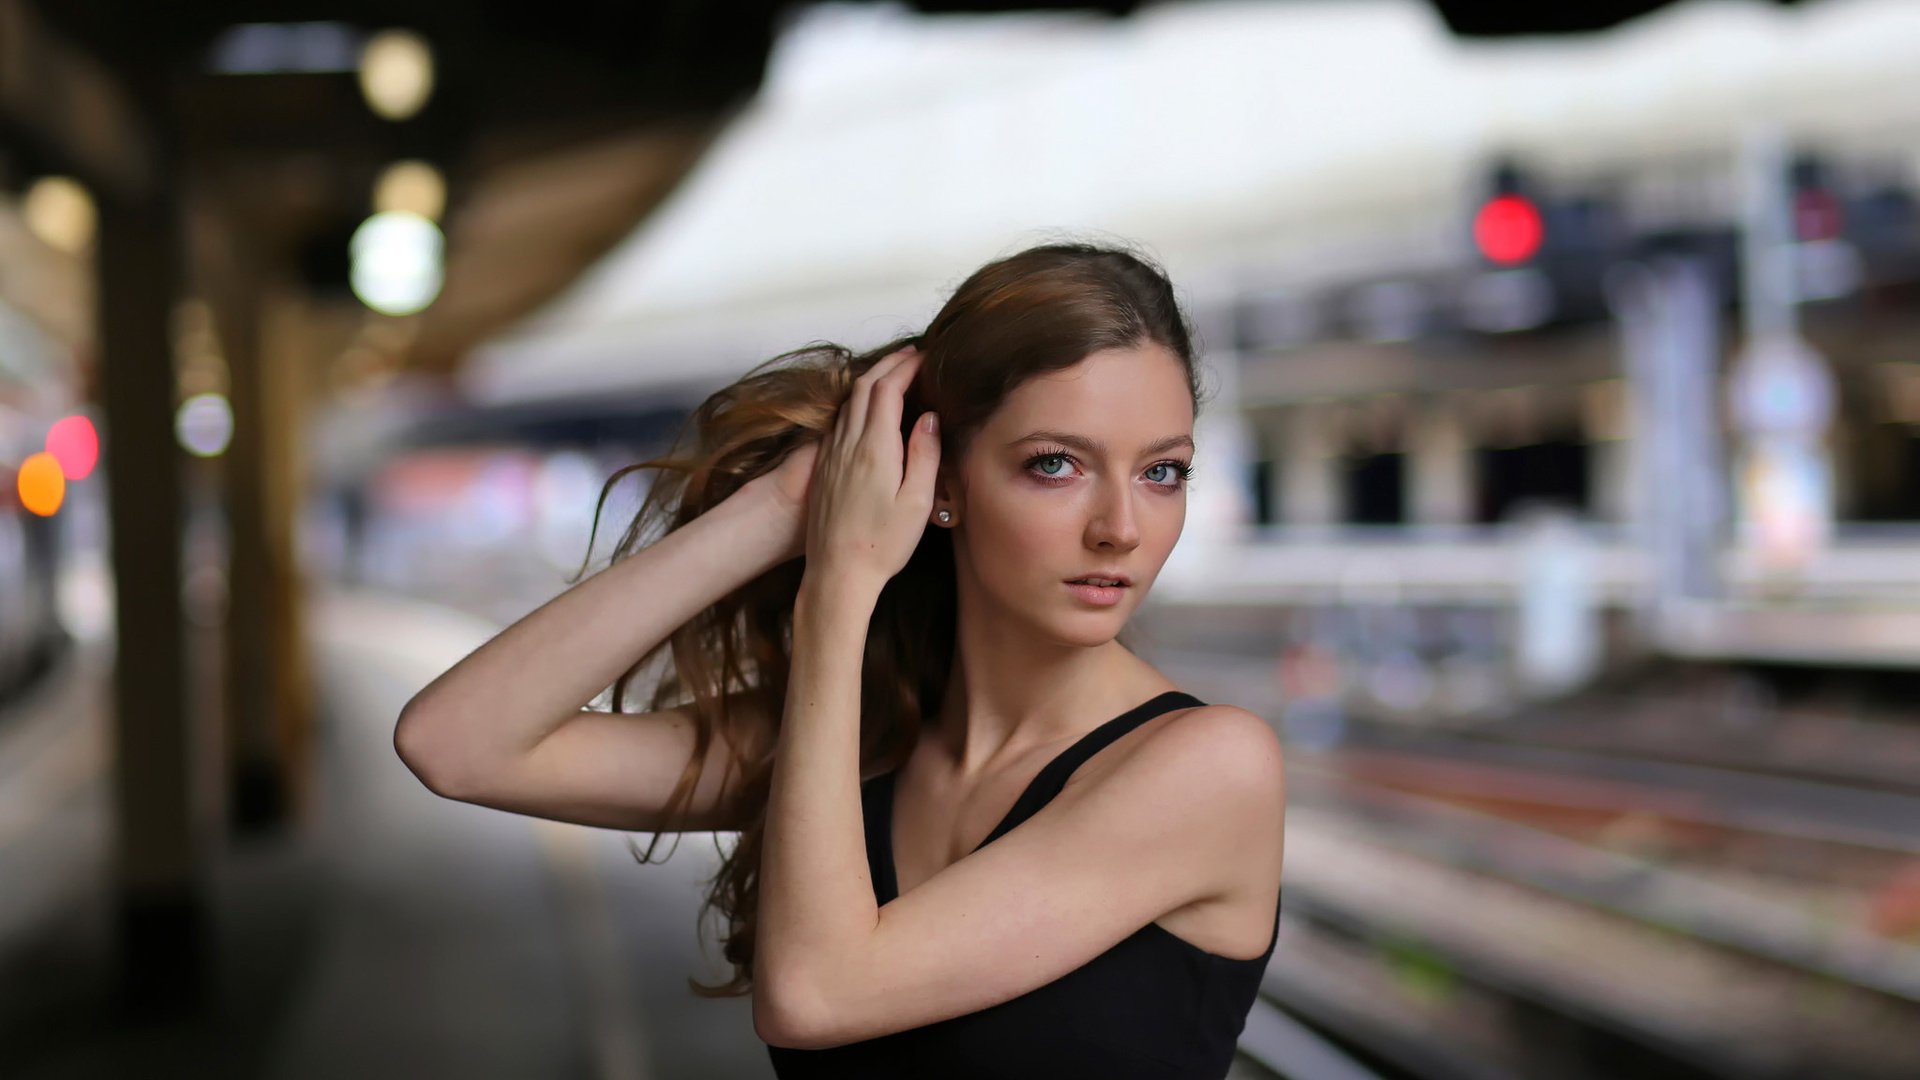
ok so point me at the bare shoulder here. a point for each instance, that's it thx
(1210, 782)
(1224, 756)
(1234, 748)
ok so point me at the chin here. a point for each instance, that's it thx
(1089, 629)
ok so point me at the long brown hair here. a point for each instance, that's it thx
(1038, 311)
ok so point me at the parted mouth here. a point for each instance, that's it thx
(1102, 579)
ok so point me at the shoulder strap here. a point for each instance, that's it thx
(1052, 779)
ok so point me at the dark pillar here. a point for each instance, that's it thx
(158, 862)
(258, 781)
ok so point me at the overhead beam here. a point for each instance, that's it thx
(531, 225)
(67, 103)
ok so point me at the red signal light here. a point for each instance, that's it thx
(1508, 229)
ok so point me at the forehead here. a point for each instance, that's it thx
(1124, 397)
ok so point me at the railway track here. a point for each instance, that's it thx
(1709, 936)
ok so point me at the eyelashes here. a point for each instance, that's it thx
(1180, 468)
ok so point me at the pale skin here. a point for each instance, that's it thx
(1179, 822)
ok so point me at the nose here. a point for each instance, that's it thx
(1112, 524)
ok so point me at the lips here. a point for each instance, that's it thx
(1097, 595)
(1108, 580)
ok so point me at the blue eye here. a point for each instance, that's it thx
(1036, 465)
(1182, 473)
(1046, 466)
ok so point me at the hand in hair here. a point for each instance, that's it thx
(870, 496)
(783, 491)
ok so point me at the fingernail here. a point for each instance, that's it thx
(931, 423)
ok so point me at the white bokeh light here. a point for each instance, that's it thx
(396, 73)
(204, 425)
(396, 267)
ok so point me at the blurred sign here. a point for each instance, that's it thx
(1780, 386)
(1557, 646)
(1782, 402)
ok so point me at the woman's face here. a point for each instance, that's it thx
(1078, 472)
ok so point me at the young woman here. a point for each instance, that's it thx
(978, 836)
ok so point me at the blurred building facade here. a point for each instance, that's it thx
(1474, 313)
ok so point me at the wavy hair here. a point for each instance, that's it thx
(1040, 310)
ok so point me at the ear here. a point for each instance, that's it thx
(947, 491)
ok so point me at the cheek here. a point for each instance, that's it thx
(1026, 528)
(1171, 522)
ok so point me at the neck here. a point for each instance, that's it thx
(1011, 689)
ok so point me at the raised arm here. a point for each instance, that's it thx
(507, 725)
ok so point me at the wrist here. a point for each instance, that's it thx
(831, 589)
(761, 520)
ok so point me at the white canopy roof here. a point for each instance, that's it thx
(890, 153)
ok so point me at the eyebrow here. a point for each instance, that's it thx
(1098, 448)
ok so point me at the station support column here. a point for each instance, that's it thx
(1440, 454)
(159, 850)
(266, 333)
(1310, 490)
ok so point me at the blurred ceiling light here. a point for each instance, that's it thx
(41, 484)
(204, 425)
(60, 212)
(199, 363)
(396, 262)
(279, 48)
(396, 73)
(413, 186)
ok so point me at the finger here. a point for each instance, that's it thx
(889, 362)
(923, 462)
(837, 439)
(888, 397)
(863, 385)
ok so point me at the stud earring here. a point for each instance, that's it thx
(945, 516)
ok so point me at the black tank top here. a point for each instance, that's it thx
(1154, 1005)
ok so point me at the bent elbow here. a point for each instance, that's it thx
(413, 744)
(778, 1022)
(770, 1025)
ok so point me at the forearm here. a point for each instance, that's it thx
(511, 692)
(816, 896)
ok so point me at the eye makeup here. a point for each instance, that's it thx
(1182, 469)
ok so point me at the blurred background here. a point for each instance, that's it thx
(1558, 500)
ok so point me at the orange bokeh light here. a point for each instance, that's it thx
(42, 485)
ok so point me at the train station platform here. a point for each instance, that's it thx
(393, 933)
